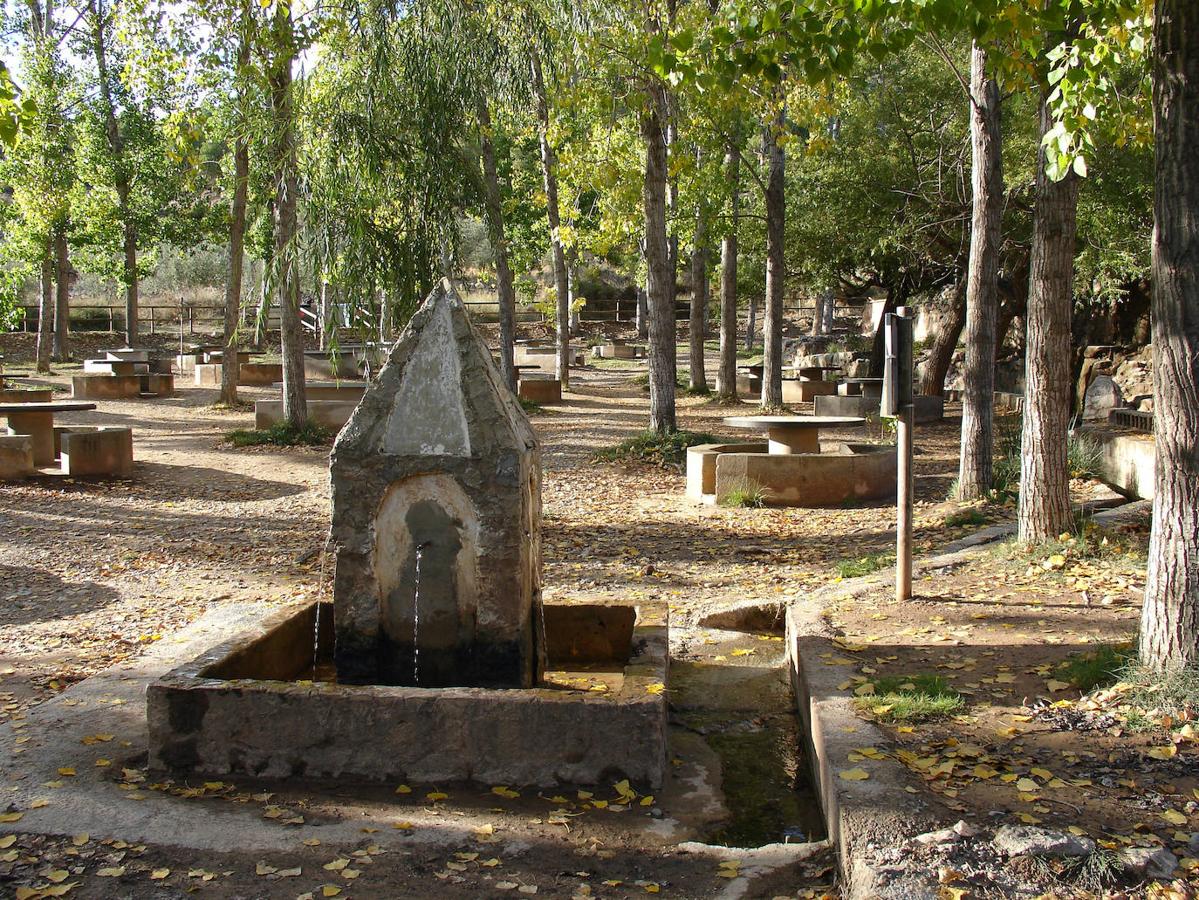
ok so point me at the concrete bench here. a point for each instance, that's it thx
(331, 414)
(106, 387)
(16, 456)
(95, 450)
(259, 373)
(539, 390)
(26, 395)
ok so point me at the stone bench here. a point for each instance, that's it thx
(539, 390)
(95, 450)
(331, 414)
(16, 456)
(1128, 459)
(350, 391)
(926, 409)
(796, 390)
(259, 373)
(106, 387)
(26, 395)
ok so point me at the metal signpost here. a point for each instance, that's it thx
(897, 402)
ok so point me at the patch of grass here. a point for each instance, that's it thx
(1084, 456)
(965, 517)
(530, 408)
(682, 376)
(914, 698)
(664, 450)
(603, 363)
(1155, 695)
(856, 568)
(282, 435)
(240, 406)
(746, 496)
(1101, 667)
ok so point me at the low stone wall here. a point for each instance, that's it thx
(259, 373)
(859, 472)
(95, 450)
(331, 414)
(106, 387)
(539, 390)
(1129, 459)
(16, 456)
(701, 467)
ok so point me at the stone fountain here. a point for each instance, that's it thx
(437, 660)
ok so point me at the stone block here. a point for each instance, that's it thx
(26, 395)
(701, 467)
(796, 391)
(1128, 459)
(16, 456)
(106, 387)
(614, 350)
(259, 373)
(330, 414)
(437, 517)
(96, 450)
(208, 375)
(853, 473)
(114, 367)
(539, 390)
(1103, 395)
(158, 384)
(351, 391)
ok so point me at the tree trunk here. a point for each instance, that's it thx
(642, 320)
(230, 365)
(659, 280)
(45, 311)
(325, 315)
(776, 267)
(751, 323)
(982, 281)
(62, 296)
(698, 380)
(287, 295)
(822, 316)
(121, 177)
(726, 383)
(1170, 617)
(944, 343)
(549, 169)
(494, 207)
(1044, 510)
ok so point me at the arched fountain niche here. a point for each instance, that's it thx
(426, 557)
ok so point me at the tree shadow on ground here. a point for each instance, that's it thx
(36, 595)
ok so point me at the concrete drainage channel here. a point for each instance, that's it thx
(851, 816)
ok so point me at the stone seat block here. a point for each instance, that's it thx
(331, 414)
(796, 391)
(158, 384)
(539, 390)
(95, 450)
(16, 456)
(106, 387)
(259, 373)
(26, 395)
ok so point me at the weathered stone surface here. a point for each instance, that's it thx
(16, 456)
(96, 450)
(540, 390)
(1024, 840)
(437, 517)
(26, 395)
(1103, 396)
(1148, 862)
(854, 472)
(105, 387)
(330, 414)
(259, 373)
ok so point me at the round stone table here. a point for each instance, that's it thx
(793, 434)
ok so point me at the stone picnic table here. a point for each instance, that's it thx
(812, 373)
(37, 421)
(793, 434)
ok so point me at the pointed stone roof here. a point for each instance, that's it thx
(439, 394)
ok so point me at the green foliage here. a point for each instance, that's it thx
(1096, 668)
(282, 435)
(914, 698)
(965, 517)
(855, 568)
(750, 495)
(667, 451)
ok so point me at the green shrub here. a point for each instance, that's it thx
(1096, 668)
(965, 517)
(747, 496)
(664, 450)
(282, 435)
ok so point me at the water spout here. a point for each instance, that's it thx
(420, 549)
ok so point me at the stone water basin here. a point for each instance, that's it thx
(265, 704)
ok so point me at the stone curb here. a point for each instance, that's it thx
(878, 810)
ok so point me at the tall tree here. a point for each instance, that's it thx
(100, 24)
(982, 280)
(230, 361)
(698, 319)
(1170, 616)
(62, 295)
(726, 382)
(549, 164)
(1044, 507)
(283, 50)
(496, 231)
(659, 277)
(776, 263)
